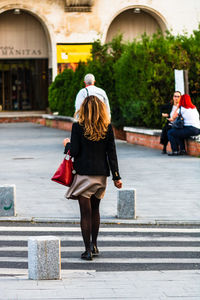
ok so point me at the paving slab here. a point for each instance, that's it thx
(150, 285)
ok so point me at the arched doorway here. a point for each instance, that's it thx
(23, 62)
(132, 23)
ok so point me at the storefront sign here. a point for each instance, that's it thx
(12, 52)
(73, 53)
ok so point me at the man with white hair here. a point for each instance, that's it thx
(91, 90)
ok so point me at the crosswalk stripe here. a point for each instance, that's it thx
(137, 260)
(13, 271)
(115, 249)
(103, 229)
(24, 272)
(119, 238)
(115, 260)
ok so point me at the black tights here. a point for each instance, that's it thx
(90, 219)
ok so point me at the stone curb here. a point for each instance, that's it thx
(108, 221)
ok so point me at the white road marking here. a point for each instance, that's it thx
(116, 260)
(114, 249)
(103, 229)
(119, 238)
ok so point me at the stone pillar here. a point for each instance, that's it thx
(7, 200)
(44, 259)
(126, 204)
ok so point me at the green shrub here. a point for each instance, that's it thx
(102, 66)
(192, 46)
(138, 77)
(148, 65)
(62, 92)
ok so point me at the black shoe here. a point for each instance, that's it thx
(95, 250)
(87, 255)
(173, 153)
(164, 152)
(182, 152)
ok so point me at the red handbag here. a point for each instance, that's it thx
(65, 173)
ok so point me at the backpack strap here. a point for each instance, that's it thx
(87, 92)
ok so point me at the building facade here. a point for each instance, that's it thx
(38, 38)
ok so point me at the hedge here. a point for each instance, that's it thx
(138, 77)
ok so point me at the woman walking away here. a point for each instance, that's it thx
(191, 125)
(93, 148)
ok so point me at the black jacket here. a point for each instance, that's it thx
(166, 108)
(93, 157)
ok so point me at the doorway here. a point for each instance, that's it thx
(24, 59)
(24, 84)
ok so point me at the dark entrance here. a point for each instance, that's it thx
(24, 84)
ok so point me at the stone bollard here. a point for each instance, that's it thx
(44, 259)
(7, 200)
(126, 204)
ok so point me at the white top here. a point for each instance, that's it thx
(190, 116)
(174, 107)
(93, 91)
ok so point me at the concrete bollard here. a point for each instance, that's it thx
(44, 259)
(7, 200)
(126, 204)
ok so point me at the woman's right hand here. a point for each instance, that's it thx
(66, 141)
(170, 119)
(118, 183)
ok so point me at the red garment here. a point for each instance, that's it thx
(186, 102)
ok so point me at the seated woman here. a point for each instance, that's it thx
(191, 125)
(168, 111)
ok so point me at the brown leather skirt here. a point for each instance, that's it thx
(86, 186)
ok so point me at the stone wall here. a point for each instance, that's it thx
(18, 119)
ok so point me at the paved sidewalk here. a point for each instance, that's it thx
(167, 187)
(91, 285)
(167, 191)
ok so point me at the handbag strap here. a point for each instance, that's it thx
(68, 156)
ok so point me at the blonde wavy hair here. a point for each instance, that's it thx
(94, 117)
